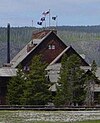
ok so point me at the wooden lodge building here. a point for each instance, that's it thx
(52, 48)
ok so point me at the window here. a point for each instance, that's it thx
(26, 68)
(51, 46)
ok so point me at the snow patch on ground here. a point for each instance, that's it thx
(61, 116)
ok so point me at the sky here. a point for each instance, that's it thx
(68, 12)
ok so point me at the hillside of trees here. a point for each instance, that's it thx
(84, 39)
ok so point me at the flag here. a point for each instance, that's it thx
(39, 23)
(43, 19)
(45, 13)
(54, 18)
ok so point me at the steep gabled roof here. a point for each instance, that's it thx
(23, 53)
(59, 56)
(88, 68)
(65, 51)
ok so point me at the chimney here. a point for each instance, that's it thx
(8, 43)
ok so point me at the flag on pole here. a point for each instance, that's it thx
(45, 13)
(43, 19)
(54, 18)
(39, 23)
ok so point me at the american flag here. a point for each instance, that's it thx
(45, 13)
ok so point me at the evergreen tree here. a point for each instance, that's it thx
(15, 88)
(71, 87)
(36, 92)
(64, 93)
(90, 82)
(94, 67)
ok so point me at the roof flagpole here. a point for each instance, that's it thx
(49, 18)
(47, 13)
(32, 23)
(56, 21)
(55, 18)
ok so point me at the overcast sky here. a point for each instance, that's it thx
(69, 12)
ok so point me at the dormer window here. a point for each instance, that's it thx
(26, 68)
(32, 42)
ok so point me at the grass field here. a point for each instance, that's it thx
(95, 121)
(49, 116)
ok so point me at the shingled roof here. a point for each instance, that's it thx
(24, 53)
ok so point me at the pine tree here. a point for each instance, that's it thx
(15, 88)
(36, 92)
(94, 67)
(71, 87)
(90, 81)
(64, 93)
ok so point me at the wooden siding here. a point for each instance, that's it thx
(48, 55)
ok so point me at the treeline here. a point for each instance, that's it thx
(20, 36)
(70, 33)
(71, 36)
(88, 29)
